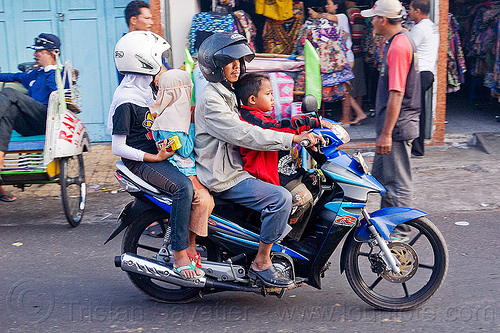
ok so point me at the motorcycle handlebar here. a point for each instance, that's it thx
(305, 143)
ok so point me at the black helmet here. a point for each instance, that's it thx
(221, 49)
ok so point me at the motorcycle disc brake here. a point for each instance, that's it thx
(408, 259)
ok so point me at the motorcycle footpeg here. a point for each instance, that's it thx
(299, 280)
(256, 282)
(236, 258)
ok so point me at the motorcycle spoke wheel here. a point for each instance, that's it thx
(136, 241)
(73, 190)
(424, 263)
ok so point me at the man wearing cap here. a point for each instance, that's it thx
(397, 104)
(27, 114)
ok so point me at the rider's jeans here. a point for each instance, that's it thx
(274, 203)
(167, 177)
(21, 113)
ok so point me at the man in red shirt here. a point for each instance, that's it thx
(397, 104)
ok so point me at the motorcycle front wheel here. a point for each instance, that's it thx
(423, 255)
(137, 242)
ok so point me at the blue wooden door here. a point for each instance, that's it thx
(82, 28)
(88, 30)
(20, 22)
(7, 44)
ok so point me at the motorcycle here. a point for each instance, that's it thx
(388, 274)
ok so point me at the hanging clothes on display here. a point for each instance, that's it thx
(456, 62)
(282, 85)
(205, 24)
(245, 27)
(495, 88)
(279, 10)
(481, 41)
(279, 36)
(374, 48)
(335, 70)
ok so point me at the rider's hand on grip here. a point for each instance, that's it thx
(308, 139)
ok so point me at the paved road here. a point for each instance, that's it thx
(57, 279)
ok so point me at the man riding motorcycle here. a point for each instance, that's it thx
(219, 133)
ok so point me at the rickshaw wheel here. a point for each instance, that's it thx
(73, 190)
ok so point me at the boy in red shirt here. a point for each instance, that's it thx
(255, 92)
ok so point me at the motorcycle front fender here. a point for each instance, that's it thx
(131, 211)
(385, 220)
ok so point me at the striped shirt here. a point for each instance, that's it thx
(357, 23)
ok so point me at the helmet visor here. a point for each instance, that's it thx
(233, 52)
(165, 56)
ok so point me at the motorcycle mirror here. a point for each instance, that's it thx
(310, 104)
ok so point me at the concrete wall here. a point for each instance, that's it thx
(178, 17)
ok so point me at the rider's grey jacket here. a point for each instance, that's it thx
(219, 133)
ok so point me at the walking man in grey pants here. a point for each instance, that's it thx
(397, 104)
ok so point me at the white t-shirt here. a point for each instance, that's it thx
(343, 23)
(426, 37)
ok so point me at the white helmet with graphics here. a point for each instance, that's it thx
(140, 52)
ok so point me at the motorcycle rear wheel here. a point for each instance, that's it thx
(424, 258)
(136, 242)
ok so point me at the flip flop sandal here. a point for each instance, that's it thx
(8, 197)
(196, 258)
(191, 267)
(154, 231)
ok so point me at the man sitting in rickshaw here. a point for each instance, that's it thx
(27, 114)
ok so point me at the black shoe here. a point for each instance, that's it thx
(270, 277)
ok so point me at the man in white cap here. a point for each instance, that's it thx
(397, 104)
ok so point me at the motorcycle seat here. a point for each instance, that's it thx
(135, 178)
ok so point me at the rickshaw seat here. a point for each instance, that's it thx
(23, 143)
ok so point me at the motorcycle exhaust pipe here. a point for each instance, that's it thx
(148, 267)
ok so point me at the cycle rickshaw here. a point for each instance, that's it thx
(57, 156)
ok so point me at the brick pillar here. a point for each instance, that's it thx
(439, 121)
(156, 12)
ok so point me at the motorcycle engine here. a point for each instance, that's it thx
(283, 264)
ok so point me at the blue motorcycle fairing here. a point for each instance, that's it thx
(239, 234)
(232, 227)
(164, 203)
(343, 168)
(386, 219)
(335, 142)
(355, 174)
(344, 216)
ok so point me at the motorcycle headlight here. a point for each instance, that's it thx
(341, 133)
